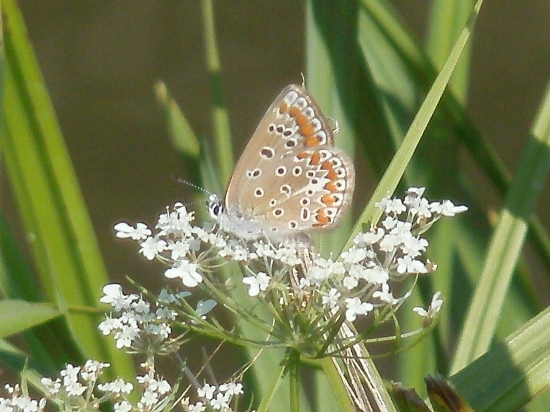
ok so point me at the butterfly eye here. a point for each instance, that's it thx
(215, 209)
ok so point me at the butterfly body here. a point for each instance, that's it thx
(290, 180)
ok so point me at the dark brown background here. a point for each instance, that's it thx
(101, 59)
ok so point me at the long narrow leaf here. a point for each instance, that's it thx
(412, 138)
(53, 210)
(510, 374)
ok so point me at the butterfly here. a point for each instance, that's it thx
(290, 180)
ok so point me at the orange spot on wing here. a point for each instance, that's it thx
(294, 112)
(322, 219)
(306, 129)
(283, 107)
(331, 187)
(311, 141)
(326, 165)
(315, 159)
(332, 175)
(301, 120)
(303, 155)
(328, 199)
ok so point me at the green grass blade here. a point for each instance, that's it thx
(48, 197)
(483, 153)
(507, 242)
(183, 138)
(18, 316)
(220, 118)
(412, 138)
(511, 373)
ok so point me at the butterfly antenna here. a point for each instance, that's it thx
(202, 189)
(185, 182)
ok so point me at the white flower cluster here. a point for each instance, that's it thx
(136, 322)
(359, 281)
(356, 284)
(77, 388)
(214, 397)
(179, 243)
(136, 326)
(18, 402)
(74, 390)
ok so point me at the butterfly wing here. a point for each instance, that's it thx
(290, 178)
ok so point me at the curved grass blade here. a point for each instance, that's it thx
(404, 154)
(511, 373)
(18, 316)
(47, 194)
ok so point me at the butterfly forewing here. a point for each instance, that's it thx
(290, 178)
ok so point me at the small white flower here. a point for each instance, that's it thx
(122, 406)
(179, 250)
(376, 274)
(331, 299)
(165, 313)
(232, 388)
(165, 297)
(433, 310)
(355, 307)
(421, 208)
(408, 265)
(161, 330)
(350, 282)
(74, 388)
(369, 238)
(391, 206)
(125, 337)
(23, 403)
(353, 255)
(118, 386)
(113, 296)
(323, 269)
(187, 271)
(447, 208)
(390, 222)
(207, 391)
(148, 399)
(124, 231)
(385, 295)
(257, 284)
(198, 407)
(219, 402)
(414, 246)
(53, 386)
(152, 247)
(390, 242)
(108, 325)
(416, 191)
(162, 386)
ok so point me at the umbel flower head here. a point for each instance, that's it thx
(309, 297)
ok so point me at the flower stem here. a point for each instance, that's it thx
(294, 374)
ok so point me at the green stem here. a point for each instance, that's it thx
(294, 374)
